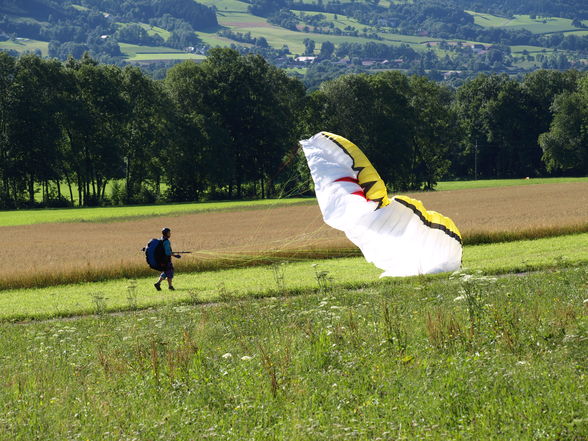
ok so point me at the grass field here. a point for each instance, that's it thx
(135, 52)
(309, 350)
(26, 45)
(109, 214)
(577, 33)
(277, 36)
(467, 357)
(518, 50)
(496, 183)
(538, 25)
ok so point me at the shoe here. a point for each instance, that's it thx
(157, 286)
(172, 288)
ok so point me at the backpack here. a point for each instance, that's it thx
(155, 255)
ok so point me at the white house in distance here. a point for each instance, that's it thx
(306, 59)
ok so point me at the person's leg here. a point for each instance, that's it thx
(170, 275)
(158, 283)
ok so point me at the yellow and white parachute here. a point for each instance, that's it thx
(397, 235)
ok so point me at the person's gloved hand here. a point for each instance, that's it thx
(177, 256)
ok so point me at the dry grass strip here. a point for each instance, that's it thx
(39, 255)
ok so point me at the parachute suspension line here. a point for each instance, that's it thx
(291, 247)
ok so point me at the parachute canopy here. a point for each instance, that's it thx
(397, 234)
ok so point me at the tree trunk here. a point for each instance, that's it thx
(31, 190)
(70, 190)
(128, 183)
(81, 190)
(103, 189)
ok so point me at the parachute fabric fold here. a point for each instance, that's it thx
(398, 235)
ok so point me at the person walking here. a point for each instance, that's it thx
(168, 267)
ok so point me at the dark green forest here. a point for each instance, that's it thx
(228, 128)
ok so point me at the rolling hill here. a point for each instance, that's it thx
(439, 39)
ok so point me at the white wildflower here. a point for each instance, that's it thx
(227, 355)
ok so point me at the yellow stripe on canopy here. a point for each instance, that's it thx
(430, 218)
(369, 179)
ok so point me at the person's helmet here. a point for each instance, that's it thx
(165, 230)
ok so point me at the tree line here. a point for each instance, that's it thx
(229, 127)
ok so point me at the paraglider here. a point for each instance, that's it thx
(396, 234)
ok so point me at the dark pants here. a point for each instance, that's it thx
(168, 272)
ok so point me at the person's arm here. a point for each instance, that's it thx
(168, 249)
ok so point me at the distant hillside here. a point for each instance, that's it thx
(36, 9)
(318, 38)
(574, 9)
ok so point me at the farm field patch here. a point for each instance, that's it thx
(223, 6)
(530, 49)
(56, 253)
(538, 25)
(577, 33)
(141, 53)
(241, 21)
(25, 45)
(166, 56)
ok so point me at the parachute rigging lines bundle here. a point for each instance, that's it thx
(398, 235)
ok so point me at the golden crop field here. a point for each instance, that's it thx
(54, 253)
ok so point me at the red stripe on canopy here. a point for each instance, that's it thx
(347, 179)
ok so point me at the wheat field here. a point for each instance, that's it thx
(37, 255)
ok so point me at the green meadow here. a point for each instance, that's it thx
(577, 33)
(488, 183)
(466, 356)
(106, 214)
(151, 30)
(519, 49)
(306, 349)
(223, 6)
(538, 25)
(239, 20)
(135, 52)
(25, 45)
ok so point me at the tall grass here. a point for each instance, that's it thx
(405, 360)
